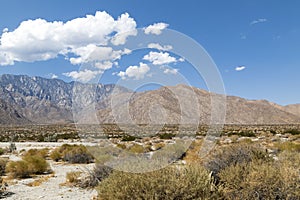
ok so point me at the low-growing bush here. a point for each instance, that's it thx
(37, 152)
(73, 177)
(288, 146)
(166, 136)
(30, 165)
(128, 138)
(293, 131)
(18, 169)
(259, 180)
(243, 134)
(97, 175)
(3, 162)
(234, 154)
(36, 164)
(189, 182)
(77, 154)
(55, 155)
(72, 154)
(136, 148)
(2, 151)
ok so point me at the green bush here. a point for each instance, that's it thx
(18, 169)
(76, 154)
(136, 148)
(166, 136)
(259, 180)
(36, 164)
(55, 155)
(243, 134)
(189, 182)
(288, 146)
(234, 154)
(37, 152)
(293, 131)
(128, 138)
(3, 163)
(97, 175)
(2, 151)
(72, 154)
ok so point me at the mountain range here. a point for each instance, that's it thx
(37, 100)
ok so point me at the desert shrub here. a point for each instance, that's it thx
(97, 175)
(189, 182)
(259, 180)
(72, 154)
(37, 152)
(2, 151)
(288, 146)
(77, 154)
(166, 136)
(18, 169)
(171, 152)
(121, 146)
(293, 131)
(232, 155)
(128, 138)
(243, 134)
(55, 155)
(104, 154)
(3, 162)
(36, 164)
(73, 177)
(136, 148)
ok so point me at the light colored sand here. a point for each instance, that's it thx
(52, 188)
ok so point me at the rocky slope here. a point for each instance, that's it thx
(27, 99)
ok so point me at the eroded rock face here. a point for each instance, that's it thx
(27, 99)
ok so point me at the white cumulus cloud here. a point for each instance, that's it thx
(84, 76)
(156, 28)
(38, 40)
(240, 68)
(159, 58)
(171, 71)
(135, 72)
(160, 47)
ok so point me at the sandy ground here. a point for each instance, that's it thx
(52, 189)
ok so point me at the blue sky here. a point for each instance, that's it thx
(255, 44)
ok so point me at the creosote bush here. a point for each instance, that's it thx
(18, 169)
(32, 163)
(72, 154)
(234, 154)
(3, 163)
(97, 175)
(189, 182)
(261, 180)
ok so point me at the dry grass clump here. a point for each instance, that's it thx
(73, 178)
(32, 163)
(39, 181)
(234, 154)
(189, 182)
(287, 146)
(3, 162)
(262, 180)
(97, 175)
(39, 152)
(72, 154)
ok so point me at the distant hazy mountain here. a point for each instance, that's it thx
(293, 108)
(27, 99)
(42, 100)
(238, 111)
